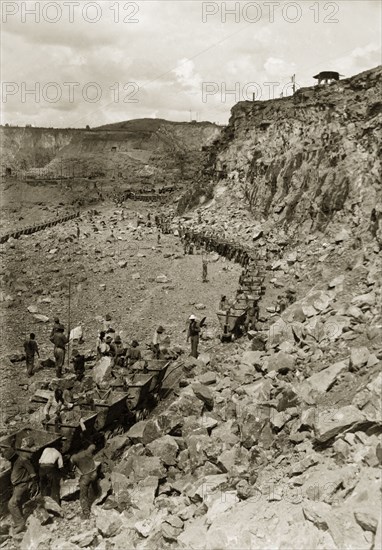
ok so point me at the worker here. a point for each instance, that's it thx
(101, 345)
(50, 466)
(78, 361)
(56, 327)
(59, 340)
(78, 232)
(133, 354)
(117, 351)
(88, 469)
(108, 329)
(24, 483)
(193, 335)
(31, 349)
(223, 305)
(55, 405)
(204, 270)
(158, 236)
(108, 341)
(157, 340)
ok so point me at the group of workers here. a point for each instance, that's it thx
(143, 194)
(30, 483)
(109, 344)
(192, 240)
(26, 481)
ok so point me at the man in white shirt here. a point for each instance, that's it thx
(50, 463)
(157, 341)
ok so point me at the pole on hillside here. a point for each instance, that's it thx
(294, 83)
(69, 321)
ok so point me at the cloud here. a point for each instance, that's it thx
(170, 52)
(186, 75)
(279, 68)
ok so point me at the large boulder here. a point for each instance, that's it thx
(139, 467)
(108, 522)
(165, 448)
(322, 381)
(102, 371)
(369, 399)
(143, 494)
(172, 527)
(280, 362)
(364, 300)
(358, 357)
(122, 487)
(203, 393)
(145, 431)
(186, 404)
(330, 422)
(280, 332)
(84, 539)
(252, 358)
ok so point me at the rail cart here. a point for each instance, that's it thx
(137, 386)
(29, 442)
(158, 369)
(109, 406)
(230, 322)
(70, 427)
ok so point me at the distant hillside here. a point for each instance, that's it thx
(144, 150)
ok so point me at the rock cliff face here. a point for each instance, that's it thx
(24, 148)
(149, 150)
(304, 159)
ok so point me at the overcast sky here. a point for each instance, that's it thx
(107, 61)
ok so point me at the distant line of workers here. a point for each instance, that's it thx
(210, 242)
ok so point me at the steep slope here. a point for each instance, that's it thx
(303, 159)
(23, 148)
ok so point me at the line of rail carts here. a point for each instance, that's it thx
(127, 400)
(248, 296)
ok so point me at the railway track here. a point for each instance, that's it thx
(38, 227)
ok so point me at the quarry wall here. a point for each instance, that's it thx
(307, 158)
(162, 150)
(24, 148)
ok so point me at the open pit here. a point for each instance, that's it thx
(270, 440)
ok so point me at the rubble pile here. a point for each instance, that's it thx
(271, 446)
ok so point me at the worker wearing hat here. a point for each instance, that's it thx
(23, 480)
(193, 334)
(133, 354)
(78, 361)
(117, 351)
(107, 325)
(57, 326)
(157, 340)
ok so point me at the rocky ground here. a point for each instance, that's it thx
(271, 441)
(257, 446)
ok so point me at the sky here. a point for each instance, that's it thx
(76, 63)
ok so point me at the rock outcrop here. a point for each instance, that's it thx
(298, 161)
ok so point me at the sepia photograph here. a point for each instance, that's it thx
(191, 275)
